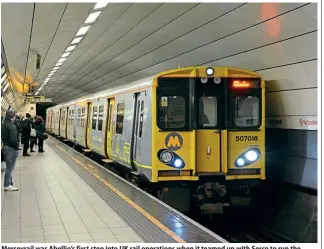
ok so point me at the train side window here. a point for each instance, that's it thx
(247, 111)
(172, 112)
(94, 118)
(100, 117)
(120, 118)
(207, 112)
(141, 120)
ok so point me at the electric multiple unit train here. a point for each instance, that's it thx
(194, 133)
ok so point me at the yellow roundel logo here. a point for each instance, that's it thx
(173, 141)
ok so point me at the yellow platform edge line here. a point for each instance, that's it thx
(130, 202)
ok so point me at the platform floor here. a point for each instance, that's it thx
(55, 204)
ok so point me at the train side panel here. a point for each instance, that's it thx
(63, 119)
(143, 134)
(82, 110)
(97, 125)
(70, 123)
(56, 120)
(122, 122)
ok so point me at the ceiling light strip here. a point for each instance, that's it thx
(83, 30)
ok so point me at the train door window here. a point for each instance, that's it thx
(109, 115)
(100, 117)
(79, 117)
(94, 118)
(137, 117)
(207, 112)
(72, 118)
(247, 111)
(172, 111)
(141, 119)
(82, 117)
(120, 118)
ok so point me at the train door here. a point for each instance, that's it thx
(60, 121)
(67, 117)
(209, 118)
(138, 127)
(109, 127)
(86, 123)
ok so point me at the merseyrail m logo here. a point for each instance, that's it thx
(173, 141)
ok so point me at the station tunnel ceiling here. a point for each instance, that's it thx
(130, 41)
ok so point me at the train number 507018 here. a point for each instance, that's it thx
(246, 138)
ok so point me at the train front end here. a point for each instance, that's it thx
(209, 138)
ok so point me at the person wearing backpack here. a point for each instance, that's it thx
(26, 130)
(40, 131)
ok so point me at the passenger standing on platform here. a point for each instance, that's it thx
(27, 125)
(33, 135)
(9, 138)
(40, 130)
(18, 124)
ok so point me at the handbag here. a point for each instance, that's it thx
(33, 132)
(45, 136)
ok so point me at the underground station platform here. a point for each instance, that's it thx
(66, 197)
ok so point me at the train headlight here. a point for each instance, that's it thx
(251, 155)
(178, 163)
(248, 157)
(209, 71)
(240, 162)
(166, 157)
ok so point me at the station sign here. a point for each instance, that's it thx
(39, 99)
(292, 122)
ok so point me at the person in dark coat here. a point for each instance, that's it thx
(40, 130)
(18, 124)
(9, 138)
(26, 129)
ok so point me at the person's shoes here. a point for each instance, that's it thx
(19, 148)
(11, 188)
(26, 154)
(32, 151)
(41, 151)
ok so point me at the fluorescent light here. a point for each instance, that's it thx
(66, 54)
(36, 93)
(61, 60)
(76, 40)
(6, 87)
(46, 80)
(56, 68)
(101, 4)
(92, 17)
(70, 48)
(3, 77)
(58, 64)
(83, 30)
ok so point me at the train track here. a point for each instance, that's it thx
(259, 235)
(246, 230)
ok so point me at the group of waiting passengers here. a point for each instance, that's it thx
(16, 129)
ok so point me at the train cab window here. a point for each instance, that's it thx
(171, 112)
(100, 117)
(94, 118)
(120, 118)
(247, 111)
(207, 112)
